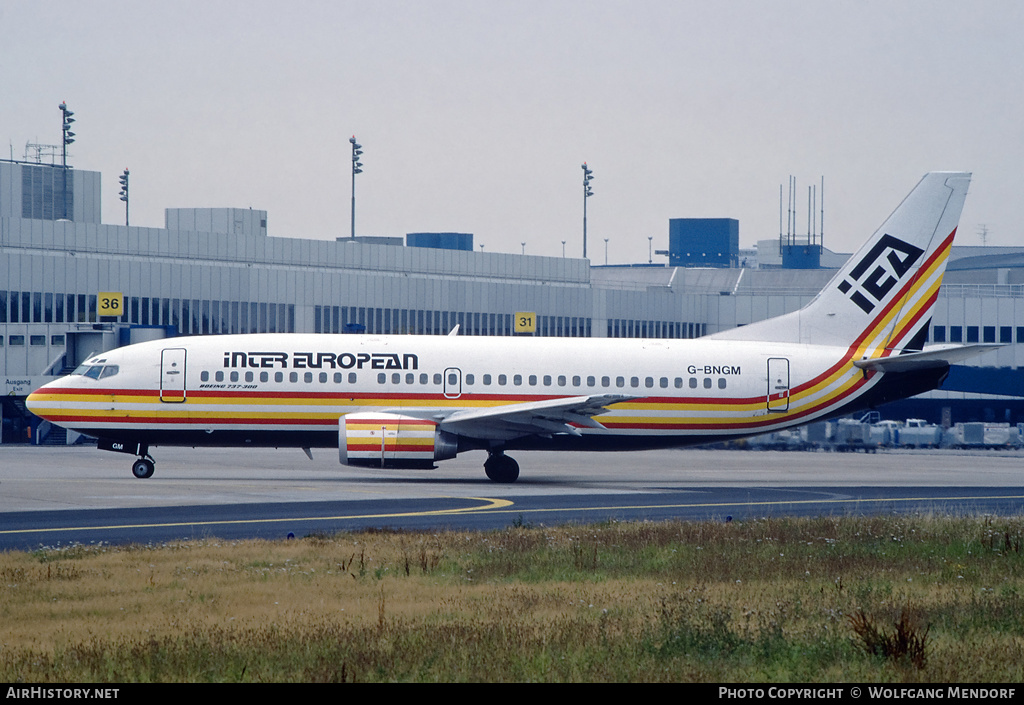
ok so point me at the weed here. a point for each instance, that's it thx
(905, 644)
(520, 523)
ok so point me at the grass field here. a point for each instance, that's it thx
(888, 599)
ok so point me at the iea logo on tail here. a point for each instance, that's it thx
(893, 258)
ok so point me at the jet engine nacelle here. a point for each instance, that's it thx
(392, 441)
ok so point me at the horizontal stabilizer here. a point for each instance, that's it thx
(926, 359)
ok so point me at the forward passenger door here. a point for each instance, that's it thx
(172, 375)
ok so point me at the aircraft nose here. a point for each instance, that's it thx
(34, 401)
(37, 401)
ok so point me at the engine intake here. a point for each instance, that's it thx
(392, 441)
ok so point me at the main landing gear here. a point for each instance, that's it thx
(501, 468)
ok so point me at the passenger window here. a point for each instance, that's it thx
(679, 382)
(721, 382)
(693, 382)
(323, 378)
(264, 376)
(502, 380)
(351, 377)
(576, 381)
(533, 380)
(234, 376)
(279, 376)
(437, 378)
(219, 376)
(517, 380)
(308, 377)
(634, 381)
(204, 376)
(293, 376)
(382, 378)
(424, 378)
(410, 378)
(606, 381)
(707, 383)
(620, 381)
(487, 379)
(547, 380)
(561, 380)
(453, 380)
(470, 379)
(396, 378)
(249, 377)
(648, 382)
(337, 378)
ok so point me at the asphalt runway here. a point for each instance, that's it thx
(60, 496)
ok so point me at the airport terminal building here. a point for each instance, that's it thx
(71, 286)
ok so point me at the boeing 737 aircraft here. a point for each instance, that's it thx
(408, 401)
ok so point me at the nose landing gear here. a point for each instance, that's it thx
(143, 467)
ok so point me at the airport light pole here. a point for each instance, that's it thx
(357, 168)
(606, 251)
(588, 175)
(68, 137)
(123, 178)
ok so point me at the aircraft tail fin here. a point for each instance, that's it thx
(880, 301)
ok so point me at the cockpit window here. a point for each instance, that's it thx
(96, 371)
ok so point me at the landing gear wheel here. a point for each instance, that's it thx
(143, 468)
(501, 468)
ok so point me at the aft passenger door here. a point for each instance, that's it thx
(778, 384)
(172, 375)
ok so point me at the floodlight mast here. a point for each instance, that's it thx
(588, 175)
(123, 178)
(357, 168)
(67, 137)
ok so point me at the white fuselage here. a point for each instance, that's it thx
(279, 389)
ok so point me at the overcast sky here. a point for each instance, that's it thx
(476, 115)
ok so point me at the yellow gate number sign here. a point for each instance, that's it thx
(110, 303)
(525, 322)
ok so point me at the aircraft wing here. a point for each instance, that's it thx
(932, 357)
(545, 418)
